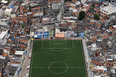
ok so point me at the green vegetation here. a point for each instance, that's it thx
(67, 0)
(81, 15)
(57, 58)
(93, 6)
(96, 17)
(23, 25)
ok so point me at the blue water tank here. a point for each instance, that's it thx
(39, 36)
(11, 6)
(13, 39)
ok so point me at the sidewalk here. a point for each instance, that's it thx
(26, 63)
(87, 60)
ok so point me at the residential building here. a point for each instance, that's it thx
(4, 34)
(108, 9)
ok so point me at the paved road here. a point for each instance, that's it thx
(61, 10)
(26, 63)
(87, 58)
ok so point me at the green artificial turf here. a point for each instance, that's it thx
(57, 58)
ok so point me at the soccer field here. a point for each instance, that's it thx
(57, 58)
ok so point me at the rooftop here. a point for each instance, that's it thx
(108, 9)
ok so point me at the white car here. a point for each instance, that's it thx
(28, 67)
(26, 75)
(29, 55)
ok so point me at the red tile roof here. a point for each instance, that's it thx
(51, 1)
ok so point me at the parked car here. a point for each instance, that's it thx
(28, 67)
(29, 55)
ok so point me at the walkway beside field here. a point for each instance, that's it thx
(86, 58)
(26, 63)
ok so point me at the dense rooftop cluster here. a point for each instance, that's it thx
(21, 21)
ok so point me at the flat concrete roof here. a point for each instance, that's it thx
(108, 9)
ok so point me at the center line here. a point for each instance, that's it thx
(57, 67)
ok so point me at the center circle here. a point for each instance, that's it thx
(58, 67)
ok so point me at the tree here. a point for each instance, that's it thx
(81, 15)
(93, 6)
(23, 25)
(96, 17)
(67, 0)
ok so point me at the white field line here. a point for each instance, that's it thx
(73, 44)
(58, 48)
(58, 67)
(58, 43)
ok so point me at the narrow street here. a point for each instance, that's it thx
(24, 72)
(61, 10)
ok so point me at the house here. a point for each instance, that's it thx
(45, 20)
(51, 33)
(109, 9)
(16, 61)
(86, 7)
(112, 1)
(6, 51)
(12, 70)
(32, 5)
(22, 19)
(4, 1)
(31, 32)
(15, 10)
(4, 22)
(36, 11)
(46, 34)
(56, 5)
(90, 14)
(38, 34)
(70, 34)
(102, 0)
(19, 52)
(11, 10)
(83, 1)
(60, 32)
(1, 12)
(8, 11)
(100, 68)
(81, 34)
(4, 34)
(52, 1)
(24, 7)
(42, 33)
(25, 40)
